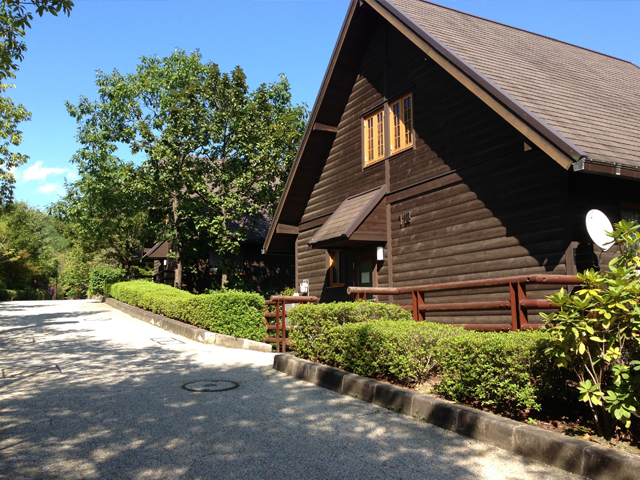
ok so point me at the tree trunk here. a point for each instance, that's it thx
(177, 273)
(224, 276)
(177, 278)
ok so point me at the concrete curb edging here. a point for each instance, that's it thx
(570, 454)
(185, 330)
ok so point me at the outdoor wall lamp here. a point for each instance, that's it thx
(304, 286)
(380, 254)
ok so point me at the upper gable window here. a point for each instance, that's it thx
(379, 141)
(374, 137)
(402, 116)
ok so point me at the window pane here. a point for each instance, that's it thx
(380, 121)
(408, 124)
(395, 109)
(370, 139)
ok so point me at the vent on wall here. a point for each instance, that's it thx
(405, 219)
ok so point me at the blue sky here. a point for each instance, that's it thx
(265, 38)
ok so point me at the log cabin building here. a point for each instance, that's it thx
(445, 147)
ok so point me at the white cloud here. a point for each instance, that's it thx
(38, 172)
(72, 176)
(49, 188)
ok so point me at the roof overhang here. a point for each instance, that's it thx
(608, 169)
(538, 132)
(340, 228)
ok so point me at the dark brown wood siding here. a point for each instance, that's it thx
(481, 205)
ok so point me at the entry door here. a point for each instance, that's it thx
(365, 269)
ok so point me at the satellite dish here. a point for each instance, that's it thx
(597, 226)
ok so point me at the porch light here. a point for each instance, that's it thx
(380, 254)
(304, 286)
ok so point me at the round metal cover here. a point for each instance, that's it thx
(210, 386)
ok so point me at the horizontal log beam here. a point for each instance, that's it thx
(540, 304)
(291, 298)
(286, 229)
(426, 307)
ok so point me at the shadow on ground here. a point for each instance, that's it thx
(78, 404)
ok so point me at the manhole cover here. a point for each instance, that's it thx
(210, 386)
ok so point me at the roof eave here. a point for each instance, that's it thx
(544, 136)
(311, 122)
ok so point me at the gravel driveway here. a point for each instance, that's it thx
(88, 392)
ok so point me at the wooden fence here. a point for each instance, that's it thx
(280, 315)
(517, 301)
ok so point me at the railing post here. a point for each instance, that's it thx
(522, 312)
(418, 299)
(278, 326)
(515, 305)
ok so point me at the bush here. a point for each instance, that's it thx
(402, 352)
(596, 334)
(101, 276)
(312, 322)
(229, 312)
(506, 372)
(26, 294)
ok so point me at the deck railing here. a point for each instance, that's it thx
(517, 303)
(280, 326)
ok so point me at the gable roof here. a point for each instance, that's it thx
(591, 99)
(348, 216)
(574, 104)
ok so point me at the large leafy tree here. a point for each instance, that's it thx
(15, 19)
(215, 154)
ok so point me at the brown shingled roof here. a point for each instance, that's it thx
(590, 98)
(348, 217)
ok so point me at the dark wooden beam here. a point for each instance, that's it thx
(287, 229)
(325, 128)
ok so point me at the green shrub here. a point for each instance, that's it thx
(25, 294)
(101, 276)
(402, 352)
(596, 334)
(312, 322)
(229, 312)
(506, 372)
(154, 297)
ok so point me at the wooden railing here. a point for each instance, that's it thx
(518, 303)
(280, 326)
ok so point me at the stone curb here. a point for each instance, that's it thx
(185, 330)
(570, 454)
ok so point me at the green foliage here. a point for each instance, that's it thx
(596, 333)
(14, 20)
(26, 294)
(312, 323)
(217, 155)
(30, 245)
(229, 312)
(506, 372)
(10, 116)
(403, 352)
(99, 277)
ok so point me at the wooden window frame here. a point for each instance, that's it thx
(333, 253)
(374, 135)
(385, 132)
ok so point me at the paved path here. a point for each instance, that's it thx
(89, 392)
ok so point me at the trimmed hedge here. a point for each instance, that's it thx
(402, 352)
(505, 372)
(228, 312)
(231, 312)
(7, 295)
(312, 323)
